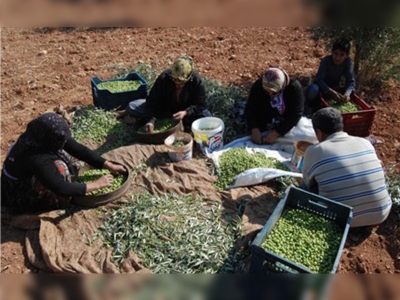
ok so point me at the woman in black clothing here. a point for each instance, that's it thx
(37, 172)
(275, 103)
(177, 93)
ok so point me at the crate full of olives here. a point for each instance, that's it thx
(358, 116)
(118, 92)
(305, 234)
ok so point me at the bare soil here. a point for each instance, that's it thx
(42, 68)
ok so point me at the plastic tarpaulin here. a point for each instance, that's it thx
(282, 150)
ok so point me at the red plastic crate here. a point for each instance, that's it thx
(358, 123)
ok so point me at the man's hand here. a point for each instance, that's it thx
(332, 94)
(256, 136)
(344, 98)
(271, 137)
(179, 115)
(149, 127)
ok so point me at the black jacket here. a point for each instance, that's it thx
(162, 102)
(40, 163)
(259, 111)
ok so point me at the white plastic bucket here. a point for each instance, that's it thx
(178, 153)
(208, 133)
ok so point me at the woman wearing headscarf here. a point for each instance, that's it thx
(178, 93)
(37, 173)
(275, 103)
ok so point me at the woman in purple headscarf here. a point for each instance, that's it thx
(37, 172)
(275, 103)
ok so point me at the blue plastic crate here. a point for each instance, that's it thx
(264, 261)
(118, 101)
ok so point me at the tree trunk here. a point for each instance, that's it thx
(357, 55)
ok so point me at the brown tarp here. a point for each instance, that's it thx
(59, 241)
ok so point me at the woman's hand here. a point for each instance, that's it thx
(179, 115)
(103, 181)
(114, 168)
(256, 136)
(271, 137)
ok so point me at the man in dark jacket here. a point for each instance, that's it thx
(177, 93)
(275, 103)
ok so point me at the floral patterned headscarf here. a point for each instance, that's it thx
(182, 69)
(276, 80)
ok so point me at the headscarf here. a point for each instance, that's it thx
(276, 80)
(49, 131)
(182, 68)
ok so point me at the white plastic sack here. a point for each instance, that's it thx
(282, 150)
(285, 149)
(303, 131)
(281, 156)
(260, 175)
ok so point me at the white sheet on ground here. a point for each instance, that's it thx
(282, 150)
(260, 175)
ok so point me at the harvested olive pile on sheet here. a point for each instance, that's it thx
(173, 234)
(237, 160)
(160, 125)
(119, 86)
(92, 175)
(306, 239)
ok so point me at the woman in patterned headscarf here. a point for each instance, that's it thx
(275, 103)
(37, 172)
(178, 93)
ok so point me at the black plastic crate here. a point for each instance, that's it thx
(118, 101)
(264, 261)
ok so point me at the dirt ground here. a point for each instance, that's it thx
(42, 68)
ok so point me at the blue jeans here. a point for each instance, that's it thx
(137, 108)
(312, 92)
(313, 102)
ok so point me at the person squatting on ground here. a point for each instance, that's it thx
(327, 81)
(275, 102)
(38, 172)
(177, 93)
(346, 169)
